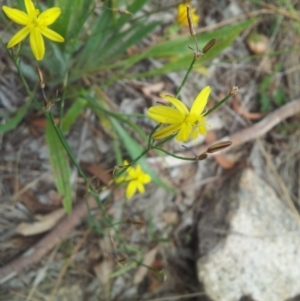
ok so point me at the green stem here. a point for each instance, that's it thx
(150, 136)
(172, 155)
(165, 140)
(217, 105)
(186, 77)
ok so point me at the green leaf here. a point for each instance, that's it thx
(265, 104)
(134, 149)
(14, 121)
(279, 97)
(180, 55)
(60, 166)
(72, 114)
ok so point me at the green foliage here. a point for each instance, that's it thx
(72, 114)
(60, 165)
(179, 55)
(12, 122)
(267, 95)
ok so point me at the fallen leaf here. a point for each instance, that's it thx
(170, 217)
(237, 108)
(155, 88)
(97, 171)
(143, 270)
(42, 224)
(103, 270)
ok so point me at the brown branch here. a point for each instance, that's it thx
(262, 127)
(49, 241)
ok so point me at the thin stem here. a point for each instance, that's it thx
(165, 140)
(150, 136)
(186, 76)
(66, 146)
(172, 155)
(217, 105)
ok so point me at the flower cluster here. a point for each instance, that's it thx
(36, 25)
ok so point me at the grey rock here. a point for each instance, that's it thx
(249, 244)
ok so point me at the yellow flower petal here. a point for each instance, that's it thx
(163, 114)
(184, 133)
(202, 129)
(51, 34)
(166, 131)
(200, 101)
(179, 105)
(16, 15)
(131, 189)
(182, 15)
(140, 187)
(49, 16)
(18, 37)
(145, 179)
(37, 44)
(29, 6)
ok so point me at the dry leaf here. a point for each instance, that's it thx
(242, 112)
(170, 217)
(42, 224)
(143, 270)
(103, 270)
(155, 88)
(97, 171)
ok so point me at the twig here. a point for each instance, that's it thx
(66, 265)
(279, 11)
(42, 247)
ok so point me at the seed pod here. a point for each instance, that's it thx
(218, 146)
(209, 45)
(191, 25)
(134, 222)
(201, 157)
(41, 77)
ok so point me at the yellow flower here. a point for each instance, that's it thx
(188, 124)
(36, 25)
(135, 178)
(182, 15)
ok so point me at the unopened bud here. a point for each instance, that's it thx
(41, 77)
(201, 157)
(121, 11)
(134, 222)
(218, 146)
(191, 26)
(209, 45)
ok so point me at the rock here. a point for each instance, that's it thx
(249, 244)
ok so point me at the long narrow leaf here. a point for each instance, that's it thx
(60, 166)
(72, 114)
(14, 121)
